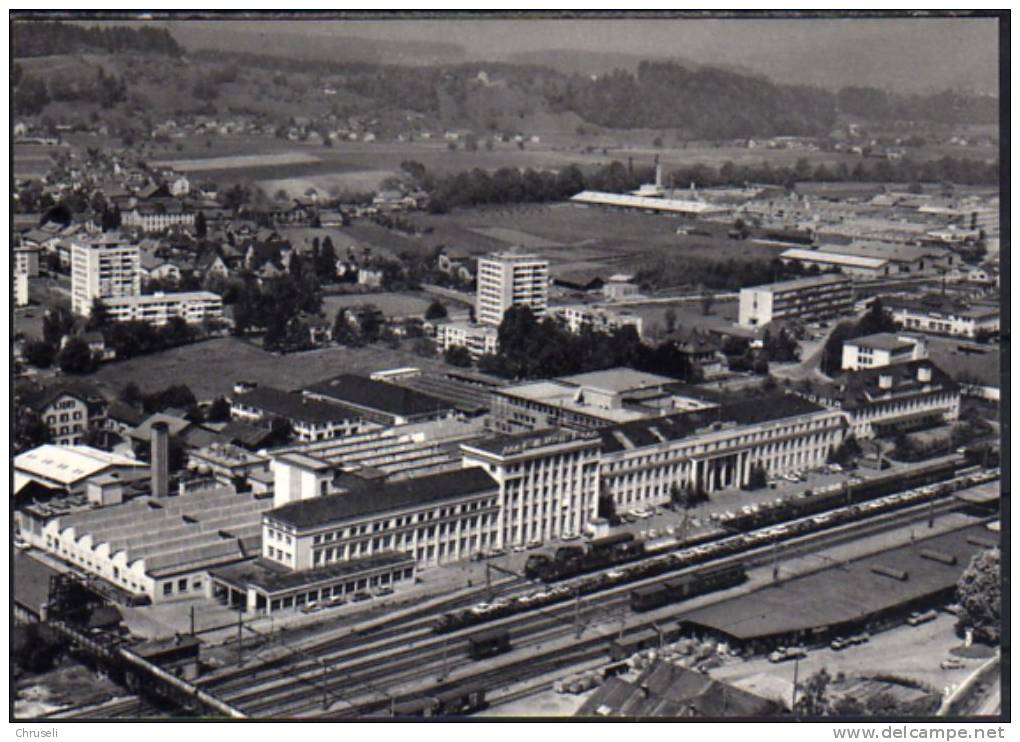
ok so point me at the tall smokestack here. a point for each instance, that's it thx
(159, 460)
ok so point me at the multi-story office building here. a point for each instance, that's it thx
(158, 309)
(478, 339)
(709, 450)
(882, 349)
(439, 518)
(511, 279)
(807, 299)
(105, 267)
(548, 482)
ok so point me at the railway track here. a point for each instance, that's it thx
(380, 672)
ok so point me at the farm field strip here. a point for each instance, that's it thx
(231, 162)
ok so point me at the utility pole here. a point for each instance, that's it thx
(240, 639)
(325, 688)
(931, 511)
(793, 699)
(442, 672)
(577, 612)
(192, 616)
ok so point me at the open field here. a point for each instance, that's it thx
(211, 367)
(238, 162)
(391, 304)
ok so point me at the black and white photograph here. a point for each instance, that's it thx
(435, 366)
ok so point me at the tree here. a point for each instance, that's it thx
(76, 357)
(29, 428)
(435, 310)
(846, 452)
(607, 505)
(670, 319)
(57, 322)
(131, 394)
(979, 591)
(39, 353)
(812, 699)
(218, 411)
(457, 355)
(99, 315)
(201, 228)
(707, 300)
(757, 478)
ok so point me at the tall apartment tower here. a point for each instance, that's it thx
(104, 268)
(511, 279)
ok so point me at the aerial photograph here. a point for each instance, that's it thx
(509, 367)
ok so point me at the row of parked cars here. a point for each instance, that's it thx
(359, 597)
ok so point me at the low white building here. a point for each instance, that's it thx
(157, 309)
(478, 339)
(882, 349)
(599, 319)
(20, 288)
(945, 317)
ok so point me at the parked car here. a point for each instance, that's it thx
(361, 597)
(953, 663)
(313, 607)
(384, 591)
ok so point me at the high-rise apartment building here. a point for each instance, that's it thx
(106, 267)
(511, 279)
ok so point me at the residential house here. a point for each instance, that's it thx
(68, 410)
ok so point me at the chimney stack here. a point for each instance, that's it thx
(159, 460)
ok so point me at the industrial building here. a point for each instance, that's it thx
(310, 419)
(882, 349)
(378, 402)
(160, 547)
(902, 396)
(510, 279)
(806, 299)
(547, 483)
(650, 204)
(105, 267)
(715, 449)
(69, 469)
(586, 401)
(856, 266)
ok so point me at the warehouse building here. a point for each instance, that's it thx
(855, 266)
(378, 402)
(807, 299)
(941, 316)
(160, 548)
(650, 204)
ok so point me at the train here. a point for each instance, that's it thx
(459, 700)
(772, 522)
(571, 561)
(488, 643)
(687, 586)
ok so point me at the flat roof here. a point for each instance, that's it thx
(881, 341)
(272, 578)
(800, 283)
(601, 198)
(823, 256)
(293, 406)
(617, 380)
(504, 445)
(176, 296)
(69, 464)
(321, 511)
(390, 399)
(846, 594)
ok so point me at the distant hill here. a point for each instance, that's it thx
(314, 47)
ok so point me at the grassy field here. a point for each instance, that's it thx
(238, 162)
(210, 368)
(391, 304)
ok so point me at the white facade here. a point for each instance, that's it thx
(106, 268)
(157, 309)
(966, 323)
(299, 477)
(509, 279)
(157, 221)
(20, 288)
(26, 260)
(803, 298)
(478, 339)
(874, 351)
(548, 483)
(599, 319)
